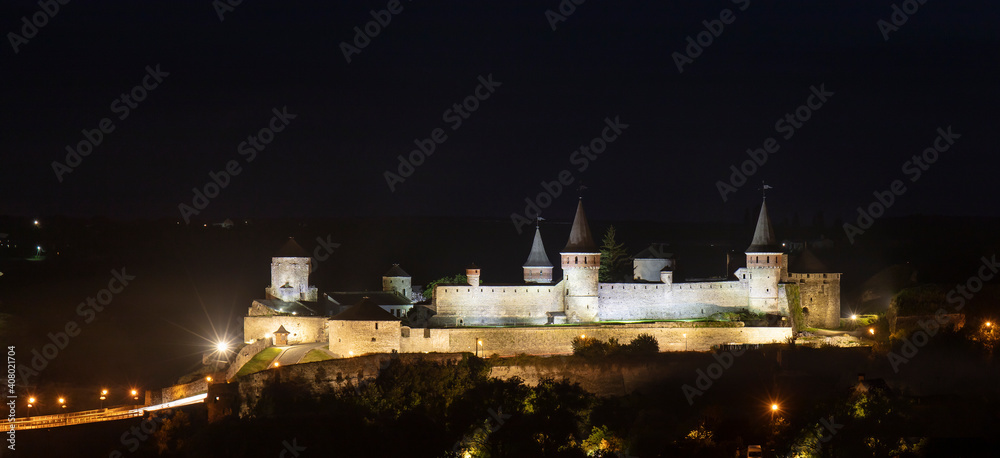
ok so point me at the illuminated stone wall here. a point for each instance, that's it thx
(301, 329)
(355, 338)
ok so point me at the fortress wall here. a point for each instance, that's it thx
(638, 301)
(521, 304)
(558, 339)
(349, 338)
(173, 393)
(245, 354)
(421, 340)
(325, 375)
(820, 295)
(301, 329)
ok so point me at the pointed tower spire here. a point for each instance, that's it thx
(537, 256)
(763, 235)
(537, 269)
(580, 239)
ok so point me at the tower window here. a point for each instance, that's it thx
(376, 326)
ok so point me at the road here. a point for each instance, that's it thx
(292, 355)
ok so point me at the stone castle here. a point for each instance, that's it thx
(511, 319)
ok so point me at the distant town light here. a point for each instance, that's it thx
(988, 324)
(276, 364)
(209, 378)
(871, 331)
(36, 222)
(774, 407)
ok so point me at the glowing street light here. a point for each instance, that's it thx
(104, 395)
(871, 331)
(774, 407)
(62, 402)
(854, 317)
(222, 347)
(209, 379)
(276, 364)
(36, 222)
(31, 403)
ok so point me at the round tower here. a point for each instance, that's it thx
(398, 281)
(580, 262)
(472, 273)
(765, 262)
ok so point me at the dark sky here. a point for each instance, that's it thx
(606, 59)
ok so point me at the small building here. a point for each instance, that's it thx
(364, 328)
(281, 337)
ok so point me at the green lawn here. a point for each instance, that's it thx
(315, 355)
(260, 361)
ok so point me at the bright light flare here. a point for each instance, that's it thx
(871, 331)
(774, 407)
(222, 347)
(854, 317)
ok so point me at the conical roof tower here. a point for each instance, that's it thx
(538, 268)
(580, 238)
(763, 235)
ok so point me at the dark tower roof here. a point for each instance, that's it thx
(395, 271)
(763, 236)
(291, 250)
(537, 257)
(807, 263)
(281, 330)
(366, 310)
(580, 240)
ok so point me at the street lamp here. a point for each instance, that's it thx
(135, 394)
(871, 331)
(62, 402)
(854, 317)
(104, 395)
(31, 403)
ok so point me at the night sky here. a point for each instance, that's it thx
(556, 88)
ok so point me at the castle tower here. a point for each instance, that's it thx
(581, 261)
(765, 262)
(472, 273)
(290, 269)
(396, 280)
(538, 268)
